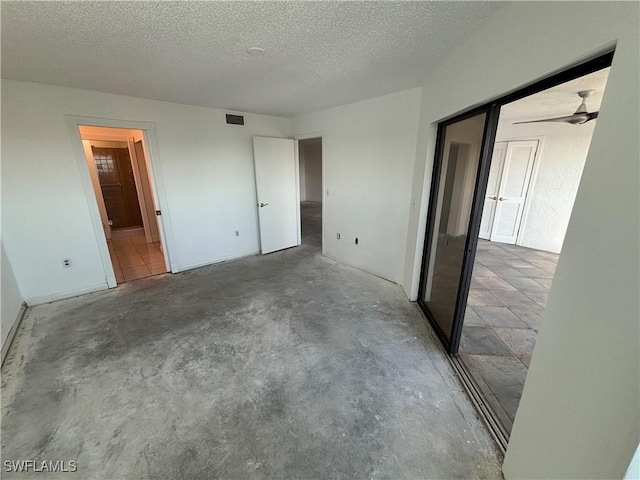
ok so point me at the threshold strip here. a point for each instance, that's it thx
(496, 429)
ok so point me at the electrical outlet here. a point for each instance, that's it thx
(338, 236)
(237, 233)
(66, 262)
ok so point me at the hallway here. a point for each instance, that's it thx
(282, 365)
(311, 223)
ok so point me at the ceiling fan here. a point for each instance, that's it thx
(580, 116)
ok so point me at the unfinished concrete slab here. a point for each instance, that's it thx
(284, 365)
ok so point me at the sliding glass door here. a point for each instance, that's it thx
(457, 192)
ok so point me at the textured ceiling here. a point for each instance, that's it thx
(317, 54)
(558, 101)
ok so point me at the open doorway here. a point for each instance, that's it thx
(120, 175)
(533, 180)
(311, 190)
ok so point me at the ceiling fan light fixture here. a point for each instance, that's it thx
(584, 94)
(580, 116)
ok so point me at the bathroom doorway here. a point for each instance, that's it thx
(120, 174)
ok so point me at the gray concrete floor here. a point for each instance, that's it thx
(509, 290)
(284, 365)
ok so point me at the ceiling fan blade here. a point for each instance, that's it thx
(575, 119)
(592, 116)
(557, 119)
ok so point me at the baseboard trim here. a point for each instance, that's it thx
(229, 258)
(361, 269)
(12, 332)
(32, 301)
(65, 295)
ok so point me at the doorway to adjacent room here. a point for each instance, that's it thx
(311, 190)
(504, 180)
(124, 191)
(533, 180)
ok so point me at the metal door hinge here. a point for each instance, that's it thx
(158, 212)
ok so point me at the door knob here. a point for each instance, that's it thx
(493, 197)
(502, 198)
(262, 204)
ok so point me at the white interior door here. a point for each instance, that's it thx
(493, 185)
(514, 183)
(277, 193)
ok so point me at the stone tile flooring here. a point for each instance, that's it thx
(509, 290)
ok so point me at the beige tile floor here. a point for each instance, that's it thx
(134, 258)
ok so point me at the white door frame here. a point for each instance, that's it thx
(155, 174)
(322, 137)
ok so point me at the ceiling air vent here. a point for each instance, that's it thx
(235, 119)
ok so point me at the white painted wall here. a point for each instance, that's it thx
(207, 170)
(578, 417)
(369, 151)
(11, 298)
(556, 176)
(313, 172)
